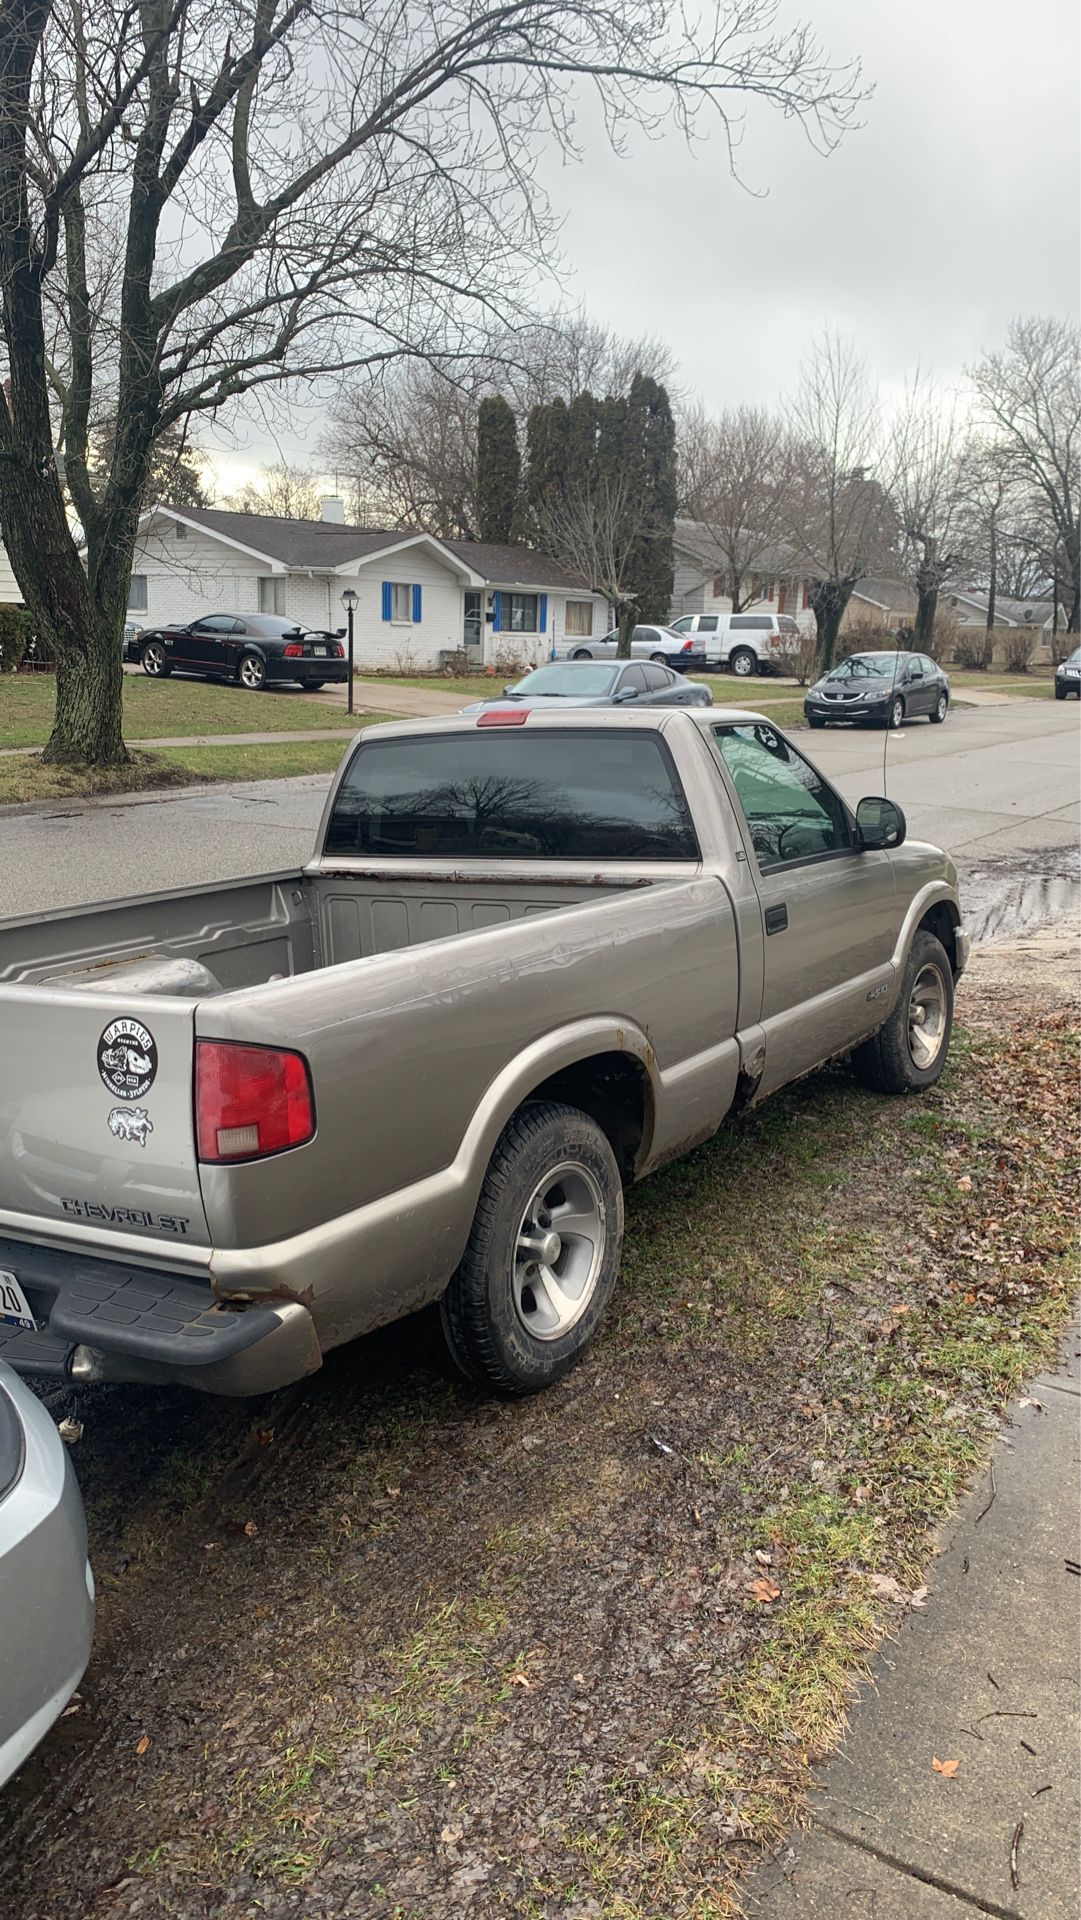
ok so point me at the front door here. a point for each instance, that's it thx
(204, 646)
(828, 911)
(474, 622)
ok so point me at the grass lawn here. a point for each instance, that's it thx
(155, 709)
(1026, 686)
(24, 778)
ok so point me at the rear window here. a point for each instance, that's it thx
(745, 621)
(585, 795)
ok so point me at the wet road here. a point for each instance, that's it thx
(992, 783)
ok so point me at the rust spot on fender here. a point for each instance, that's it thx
(264, 1297)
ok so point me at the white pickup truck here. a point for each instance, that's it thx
(534, 956)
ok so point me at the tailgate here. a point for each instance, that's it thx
(96, 1125)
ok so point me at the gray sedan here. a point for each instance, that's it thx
(580, 683)
(46, 1587)
(686, 651)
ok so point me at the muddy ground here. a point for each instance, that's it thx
(377, 1647)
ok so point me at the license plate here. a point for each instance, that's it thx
(320, 650)
(14, 1305)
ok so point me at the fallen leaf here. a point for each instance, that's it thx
(142, 1743)
(1028, 1401)
(964, 1185)
(763, 1559)
(264, 1436)
(250, 1529)
(75, 1707)
(392, 1493)
(918, 1598)
(764, 1590)
(947, 1768)
(885, 1587)
(520, 1679)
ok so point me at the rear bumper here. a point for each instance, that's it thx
(46, 1587)
(328, 671)
(103, 1320)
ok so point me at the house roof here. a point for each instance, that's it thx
(1036, 612)
(893, 595)
(327, 546)
(697, 539)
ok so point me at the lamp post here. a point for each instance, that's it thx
(349, 601)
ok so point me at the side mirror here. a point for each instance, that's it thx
(881, 824)
(624, 694)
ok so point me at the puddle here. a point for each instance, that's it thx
(1001, 898)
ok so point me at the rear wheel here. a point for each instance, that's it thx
(659, 659)
(940, 710)
(251, 673)
(155, 660)
(313, 686)
(581, 653)
(543, 1253)
(743, 662)
(909, 1052)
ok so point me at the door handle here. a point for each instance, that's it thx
(776, 919)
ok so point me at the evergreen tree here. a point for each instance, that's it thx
(546, 459)
(651, 447)
(176, 466)
(499, 470)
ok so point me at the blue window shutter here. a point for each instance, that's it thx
(416, 606)
(497, 617)
(388, 600)
(542, 616)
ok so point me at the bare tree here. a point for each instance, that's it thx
(289, 190)
(289, 493)
(740, 473)
(928, 480)
(1030, 398)
(839, 515)
(596, 530)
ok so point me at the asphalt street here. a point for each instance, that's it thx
(992, 782)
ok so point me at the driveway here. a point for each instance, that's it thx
(990, 783)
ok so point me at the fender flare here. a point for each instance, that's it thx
(931, 895)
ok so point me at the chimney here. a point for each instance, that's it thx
(333, 509)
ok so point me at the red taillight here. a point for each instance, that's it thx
(338, 650)
(250, 1101)
(503, 717)
(293, 652)
(687, 647)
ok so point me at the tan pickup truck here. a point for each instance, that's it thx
(534, 957)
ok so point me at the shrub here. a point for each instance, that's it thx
(1018, 649)
(974, 649)
(17, 638)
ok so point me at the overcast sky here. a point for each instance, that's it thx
(956, 205)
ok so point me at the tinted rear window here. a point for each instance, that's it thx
(745, 621)
(609, 795)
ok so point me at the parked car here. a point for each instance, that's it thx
(251, 648)
(1068, 676)
(535, 955)
(742, 643)
(46, 1586)
(883, 689)
(647, 643)
(584, 683)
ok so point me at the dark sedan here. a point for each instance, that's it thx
(1068, 676)
(583, 683)
(250, 648)
(883, 689)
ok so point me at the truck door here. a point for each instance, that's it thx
(828, 912)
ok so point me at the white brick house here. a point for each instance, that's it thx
(418, 598)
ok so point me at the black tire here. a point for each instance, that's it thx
(581, 653)
(889, 1061)
(941, 709)
(313, 686)
(659, 659)
(743, 661)
(485, 1307)
(1061, 693)
(815, 720)
(251, 672)
(896, 713)
(155, 661)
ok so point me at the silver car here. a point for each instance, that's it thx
(583, 683)
(684, 651)
(46, 1586)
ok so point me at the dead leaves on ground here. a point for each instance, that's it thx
(947, 1768)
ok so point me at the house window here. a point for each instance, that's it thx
(720, 586)
(272, 594)
(137, 596)
(519, 613)
(181, 530)
(782, 596)
(579, 621)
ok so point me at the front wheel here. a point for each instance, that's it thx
(815, 720)
(543, 1253)
(743, 662)
(155, 660)
(251, 672)
(896, 713)
(941, 708)
(1060, 693)
(909, 1052)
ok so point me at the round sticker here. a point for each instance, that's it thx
(127, 1059)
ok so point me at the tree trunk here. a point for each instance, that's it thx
(1072, 543)
(736, 595)
(926, 608)
(627, 620)
(992, 585)
(829, 598)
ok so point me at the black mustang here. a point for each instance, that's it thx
(251, 648)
